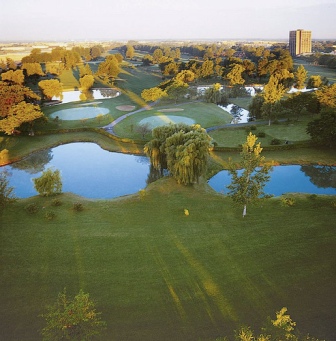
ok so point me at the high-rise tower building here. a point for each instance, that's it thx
(299, 42)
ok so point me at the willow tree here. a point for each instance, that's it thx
(181, 149)
(247, 186)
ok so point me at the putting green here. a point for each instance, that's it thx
(161, 120)
(79, 113)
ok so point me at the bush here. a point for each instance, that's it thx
(32, 208)
(261, 134)
(250, 128)
(289, 202)
(56, 202)
(275, 142)
(49, 183)
(50, 215)
(78, 207)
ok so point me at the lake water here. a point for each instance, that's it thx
(86, 170)
(76, 95)
(92, 172)
(285, 179)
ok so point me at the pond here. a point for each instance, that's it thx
(94, 94)
(313, 179)
(86, 170)
(90, 171)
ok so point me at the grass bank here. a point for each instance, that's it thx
(157, 274)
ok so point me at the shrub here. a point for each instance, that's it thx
(49, 183)
(32, 208)
(6, 192)
(313, 197)
(275, 142)
(50, 215)
(250, 128)
(261, 134)
(78, 207)
(56, 202)
(287, 202)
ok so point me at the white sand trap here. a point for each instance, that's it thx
(92, 103)
(161, 120)
(125, 107)
(171, 110)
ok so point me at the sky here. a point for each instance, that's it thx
(66, 20)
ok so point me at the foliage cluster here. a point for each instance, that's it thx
(181, 149)
(49, 183)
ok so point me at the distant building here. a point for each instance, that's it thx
(299, 42)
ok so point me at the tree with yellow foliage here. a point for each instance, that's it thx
(247, 185)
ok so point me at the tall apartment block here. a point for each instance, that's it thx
(299, 42)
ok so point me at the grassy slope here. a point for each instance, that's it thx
(315, 70)
(157, 274)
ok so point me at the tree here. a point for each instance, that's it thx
(49, 183)
(130, 52)
(50, 88)
(207, 69)
(54, 68)
(181, 149)
(86, 82)
(33, 69)
(185, 76)
(272, 93)
(255, 107)
(300, 77)
(323, 130)
(247, 188)
(157, 56)
(327, 96)
(176, 90)
(235, 75)
(14, 77)
(143, 129)
(109, 69)
(215, 94)
(316, 81)
(72, 319)
(153, 94)
(19, 114)
(6, 192)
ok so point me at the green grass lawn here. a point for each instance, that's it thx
(207, 115)
(294, 131)
(157, 274)
(315, 70)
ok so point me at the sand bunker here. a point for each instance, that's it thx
(161, 120)
(171, 110)
(125, 107)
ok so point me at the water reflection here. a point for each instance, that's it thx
(35, 162)
(321, 176)
(286, 179)
(86, 170)
(76, 95)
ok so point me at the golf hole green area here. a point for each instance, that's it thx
(79, 113)
(161, 120)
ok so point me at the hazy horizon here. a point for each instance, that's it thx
(83, 20)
